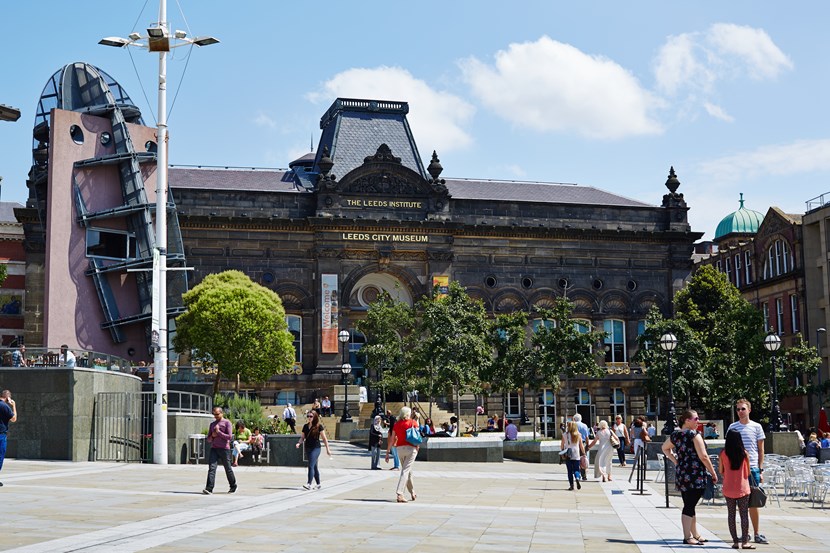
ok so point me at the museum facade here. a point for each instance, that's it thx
(361, 215)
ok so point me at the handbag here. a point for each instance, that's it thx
(757, 495)
(565, 454)
(413, 436)
(615, 441)
(583, 462)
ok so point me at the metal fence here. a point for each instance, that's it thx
(124, 422)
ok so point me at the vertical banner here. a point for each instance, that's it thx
(329, 314)
(443, 284)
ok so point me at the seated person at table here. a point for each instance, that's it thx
(813, 446)
(511, 433)
(444, 432)
(241, 441)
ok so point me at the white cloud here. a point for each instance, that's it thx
(717, 112)
(437, 118)
(691, 64)
(516, 170)
(264, 120)
(752, 48)
(550, 86)
(802, 156)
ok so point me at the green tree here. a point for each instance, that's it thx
(452, 336)
(512, 365)
(238, 324)
(389, 327)
(800, 362)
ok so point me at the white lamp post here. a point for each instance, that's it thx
(159, 40)
(345, 368)
(772, 342)
(668, 343)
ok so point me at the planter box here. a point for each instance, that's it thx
(464, 450)
(283, 450)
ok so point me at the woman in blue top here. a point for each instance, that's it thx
(813, 446)
(687, 451)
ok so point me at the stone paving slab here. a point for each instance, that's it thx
(464, 507)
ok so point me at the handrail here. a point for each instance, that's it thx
(47, 357)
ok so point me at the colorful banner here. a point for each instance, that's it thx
(329, 314)
(443, 284)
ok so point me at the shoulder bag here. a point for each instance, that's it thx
(757, 495)
(615, 441)
(413, 436)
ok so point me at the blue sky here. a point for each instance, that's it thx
(608, 94)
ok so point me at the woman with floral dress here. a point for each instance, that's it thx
(686, 449)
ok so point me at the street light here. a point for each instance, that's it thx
(345, 368)
(772, 342)
(159, 39)
(668, 343)
(819, 331)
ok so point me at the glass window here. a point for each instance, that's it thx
(747, 268)
(110, 244)
(536, 323)
(614, 340)
(779, 315)
(765, 309)
(617, 402)
(295, 327)
(583, 326)
(738, 270)
(641, 329)
(794, 314)
(514, 408)
(583, 397)
(719, 266)
(652, 406)
(547, 411)
(728, 264)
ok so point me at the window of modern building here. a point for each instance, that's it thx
(617, 402)
(110, 244)
(779, 315)
(747, 268)
(295, 327)
(765, 309)
(794, 313)
(738, 270)
(614, 340)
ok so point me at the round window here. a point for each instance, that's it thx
(490, 281)
(106, 138)
(597, 284)
(151, 146)
(527, 282)
(563, 283)
(77, 134)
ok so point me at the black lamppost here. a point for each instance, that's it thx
(819, 332)
(345, 368)
(772, 342)
(668, 343)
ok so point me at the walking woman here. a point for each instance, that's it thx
(311, 435)
(621, 431)
(691, 465)
(733, 465)
(602, 464)
(406, 452)
(375, 436)
(572, 440)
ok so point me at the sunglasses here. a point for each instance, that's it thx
(695, 418)
(741, 408)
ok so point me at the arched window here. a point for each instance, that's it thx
(779, 259)
(614, 340)
(537, 323)
(295, 327)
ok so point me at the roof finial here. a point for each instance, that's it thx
(741, 201)
(672, 183)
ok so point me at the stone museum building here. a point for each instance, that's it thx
(363, 213)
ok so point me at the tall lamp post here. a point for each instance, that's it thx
(345, 368)
(159, 39)
(668, 343)
(772, 342)
(819, 332)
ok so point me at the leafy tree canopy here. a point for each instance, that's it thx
(238, 324)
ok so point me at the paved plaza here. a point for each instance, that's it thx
(52, 507)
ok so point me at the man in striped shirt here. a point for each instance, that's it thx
(753, 437)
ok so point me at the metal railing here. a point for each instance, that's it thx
(818, 201)
(40, 357)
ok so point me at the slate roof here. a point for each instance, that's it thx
(7, 211)
(519, 191)
(353, 130)
(254, 180)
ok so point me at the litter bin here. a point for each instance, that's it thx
(196, 447)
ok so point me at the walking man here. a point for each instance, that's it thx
(8, 414)
(290, 417)
(219, 435)
(753, 437)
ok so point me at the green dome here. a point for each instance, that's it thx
(744, 221)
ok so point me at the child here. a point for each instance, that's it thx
(733, 464)
(257, 442)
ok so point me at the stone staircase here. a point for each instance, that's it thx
(439, 414)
